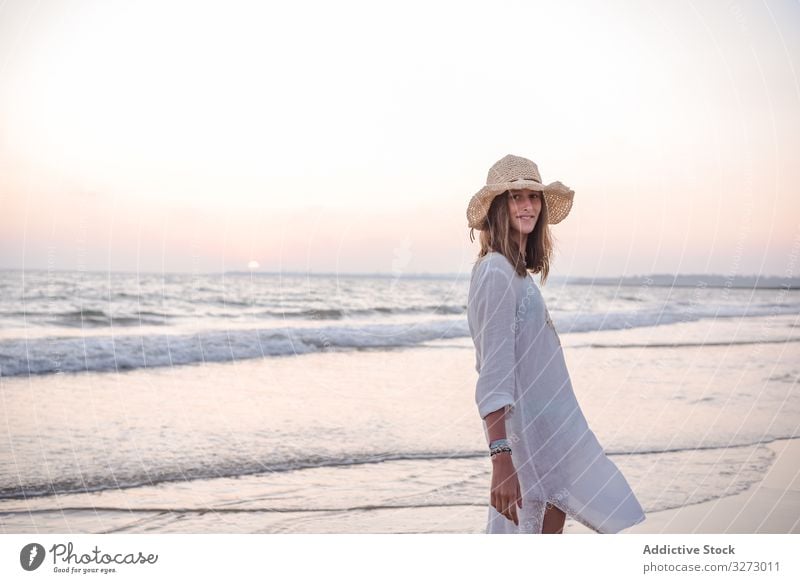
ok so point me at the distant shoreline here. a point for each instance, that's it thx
(713, 281)
(789, 286)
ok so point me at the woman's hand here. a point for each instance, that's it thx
(505, 494)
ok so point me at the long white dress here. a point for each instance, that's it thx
(520, 365)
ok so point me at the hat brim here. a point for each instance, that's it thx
(558, 199)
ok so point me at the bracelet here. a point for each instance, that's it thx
(499, 449)
(499, 446)
(501, 441)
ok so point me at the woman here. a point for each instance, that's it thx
(546, 461)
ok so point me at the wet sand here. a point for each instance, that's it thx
(771, 506)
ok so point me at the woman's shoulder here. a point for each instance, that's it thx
(494, 261)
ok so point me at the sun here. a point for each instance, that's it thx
(252, 264)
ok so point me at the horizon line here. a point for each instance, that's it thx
(391, 274)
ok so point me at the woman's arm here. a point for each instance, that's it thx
(505, 493)
(496, 424)
(493, 310)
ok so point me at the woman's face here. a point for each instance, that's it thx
(524, 206)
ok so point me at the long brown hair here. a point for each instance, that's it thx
(496, 236)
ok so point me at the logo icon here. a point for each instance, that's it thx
(31, 556)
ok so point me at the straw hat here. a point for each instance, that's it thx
(513, 172)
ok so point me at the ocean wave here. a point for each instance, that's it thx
(87, 482)
(120, 352)
(126, 352)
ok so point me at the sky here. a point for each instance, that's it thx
(348, 137)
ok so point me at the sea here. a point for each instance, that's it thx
(254, 402)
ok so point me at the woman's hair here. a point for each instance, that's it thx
(496, 236)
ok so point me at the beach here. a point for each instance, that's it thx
(335, 422)
(771, 506)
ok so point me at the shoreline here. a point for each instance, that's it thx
(771, 505)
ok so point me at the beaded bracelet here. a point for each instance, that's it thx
(499, 449)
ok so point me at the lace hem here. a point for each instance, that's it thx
(560, 500)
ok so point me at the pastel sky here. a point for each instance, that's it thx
(349, 136)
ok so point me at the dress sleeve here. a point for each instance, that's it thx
(494, 310)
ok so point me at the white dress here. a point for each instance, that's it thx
(521, 366)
